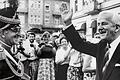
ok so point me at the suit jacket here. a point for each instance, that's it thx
(97, 50)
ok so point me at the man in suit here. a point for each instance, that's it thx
(109, 30)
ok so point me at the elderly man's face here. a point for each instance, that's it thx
(106, 29)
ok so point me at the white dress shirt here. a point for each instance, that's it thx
(30, 50)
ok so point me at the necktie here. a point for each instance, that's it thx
(14, 48)
(106, 58)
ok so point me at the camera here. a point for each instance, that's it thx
(20, 49)
(41, 44)
(31, 45)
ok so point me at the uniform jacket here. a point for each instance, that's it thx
(5, 71)
(97, 50)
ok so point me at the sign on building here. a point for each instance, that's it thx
(64, 6)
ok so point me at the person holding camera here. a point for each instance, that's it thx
(18, 50)
(46, 55)
(30, 46)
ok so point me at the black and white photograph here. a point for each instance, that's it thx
(59, 39)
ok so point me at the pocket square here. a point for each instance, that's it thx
(117, 64)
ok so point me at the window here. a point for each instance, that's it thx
(39, 1)
(39, 16)
(39, 5)
(47, 7)
(94, 27)
(86, 2)
(47, 17)
(76, 5)
(46, 21)
(57, 20)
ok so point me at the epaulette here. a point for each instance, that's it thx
(1, 49)
(2, 54)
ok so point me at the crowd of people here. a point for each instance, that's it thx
(51, 57)
(63, 55)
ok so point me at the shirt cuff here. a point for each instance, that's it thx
(67, 27)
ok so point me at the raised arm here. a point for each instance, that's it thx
(74, 38)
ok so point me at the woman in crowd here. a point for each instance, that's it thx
(75, 66)
(61, 59)
(46, 55)
(69, 62)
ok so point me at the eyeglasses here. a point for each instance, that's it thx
(103, 23)
(97, 37)
(15, 29)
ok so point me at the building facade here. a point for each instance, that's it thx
(86, 12)
(52, 14)
(42, 14)
(23, 14)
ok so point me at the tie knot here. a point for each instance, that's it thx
(108, 46)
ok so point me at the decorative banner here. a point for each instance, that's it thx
(64, 6)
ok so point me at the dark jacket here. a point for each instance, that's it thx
(5, 71)
(98, 51)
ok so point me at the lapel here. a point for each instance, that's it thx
(99, 58)
(113, 61)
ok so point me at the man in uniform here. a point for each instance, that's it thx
(9, 34)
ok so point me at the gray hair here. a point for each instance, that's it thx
(110, 16)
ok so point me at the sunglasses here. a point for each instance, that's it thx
(15, 29)
(97, 37)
